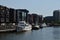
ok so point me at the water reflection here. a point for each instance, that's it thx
(49, 33)
(56, 33)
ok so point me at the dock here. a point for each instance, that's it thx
(7, 30)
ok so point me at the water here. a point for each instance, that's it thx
(48, 33)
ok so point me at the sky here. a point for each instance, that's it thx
(40, 7)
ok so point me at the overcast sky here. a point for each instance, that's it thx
(41, 7)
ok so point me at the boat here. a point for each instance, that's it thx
(43, 25)
(37, 26)
(23, 26)
(34, 27)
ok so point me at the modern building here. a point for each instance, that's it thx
(12, 15)
(48, 19)
(3, 13)
(40, 19)
(34, 19)
(30, 19)
(7, 15)
(56, 15)
(22, 14)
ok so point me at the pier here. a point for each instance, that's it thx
(7, 30)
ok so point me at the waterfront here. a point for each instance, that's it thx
(48, 33)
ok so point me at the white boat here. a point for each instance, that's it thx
(37, 26)
(44, 25)
(23, 26)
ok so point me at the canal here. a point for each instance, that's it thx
(48, 33)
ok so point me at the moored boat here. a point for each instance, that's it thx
(34, 27)
(23, 26)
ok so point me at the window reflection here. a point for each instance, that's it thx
(22, 16)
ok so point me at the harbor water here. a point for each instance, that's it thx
(48, 33)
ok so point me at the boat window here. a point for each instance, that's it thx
(22, 25)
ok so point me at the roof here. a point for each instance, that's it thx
(25, 10)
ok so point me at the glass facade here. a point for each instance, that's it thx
(22, 15)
